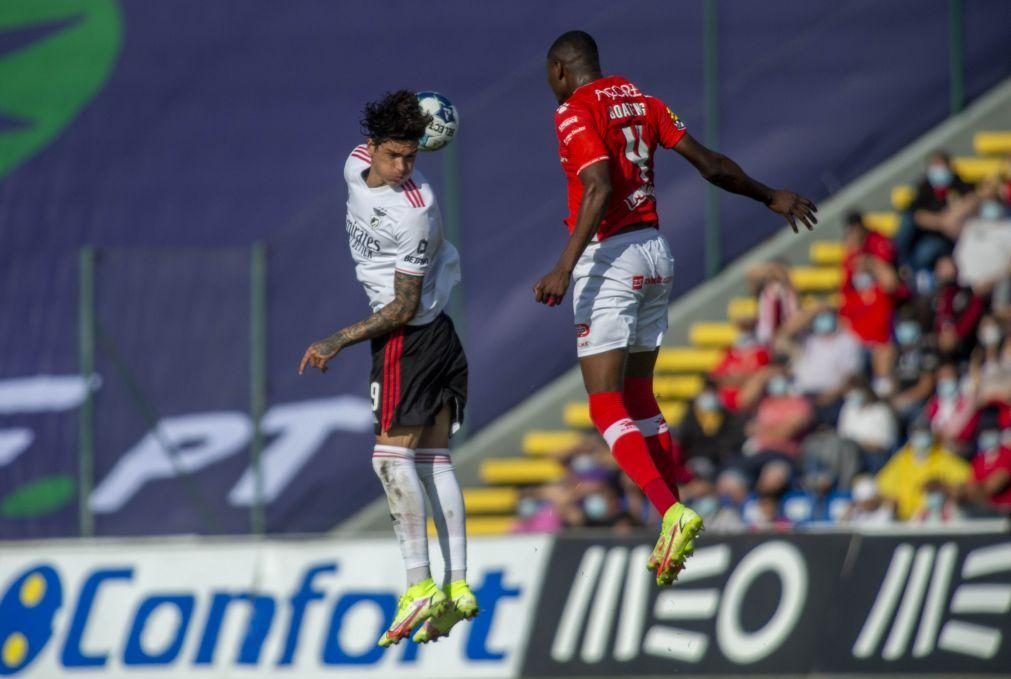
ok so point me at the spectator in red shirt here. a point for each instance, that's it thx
(859, 240)
(990, 484)
(957, 312)
(867, 307)
(951, 412)
(739, 364)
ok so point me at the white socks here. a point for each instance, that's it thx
(435, 468)
(407, 477)
(395, 468)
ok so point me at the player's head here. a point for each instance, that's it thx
(394, 124)
(573, 61)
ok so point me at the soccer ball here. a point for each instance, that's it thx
(444, 123)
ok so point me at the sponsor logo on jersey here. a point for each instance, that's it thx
(571, 120)
(573, 133)
(361, 242)
(626, 110)
(618, 92)
(678, 123)
(639, 196)
(639, 282)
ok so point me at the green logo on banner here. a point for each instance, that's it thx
(55, 55)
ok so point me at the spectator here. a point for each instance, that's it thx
(921, 240)
(913, 373)
(904, 480)
(858, 241)
(950, 410)
(777, 299)
(828, 461)
(869, 423)
(868, 508)
(825, 360)
(739, 364)
(867, 306)
(957, 311)
(709, 435)
(989, 488)
(983, 251)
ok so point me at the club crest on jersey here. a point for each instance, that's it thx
(582, 330)
(378, 214)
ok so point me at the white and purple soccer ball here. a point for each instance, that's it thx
(445, 121)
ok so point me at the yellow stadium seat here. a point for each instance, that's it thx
(677, 387)
(520, 471)
(549, 442)
(577, 413)
(742, 309)
(490, 500)
(885, 223)
(810, 301)
(992, 143)
(712, 334)
(816, 278)
(973, 169)
(687, 360)
(902, 196)
(827, 253)
(482, 525)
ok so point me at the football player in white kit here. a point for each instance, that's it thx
(419, 370)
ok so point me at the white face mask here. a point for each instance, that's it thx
(920, 441)
(989, 335)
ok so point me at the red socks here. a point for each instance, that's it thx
(629, 448)
(642, 407)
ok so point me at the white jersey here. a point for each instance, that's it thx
(398, 229)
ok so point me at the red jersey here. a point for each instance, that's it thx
(610, 119)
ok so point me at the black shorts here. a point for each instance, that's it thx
(416, 371)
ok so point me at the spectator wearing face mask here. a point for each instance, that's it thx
(957, 312)
(777, 299)
(869, 423)
(869, 295)
(824, 360)
(950, 410)
(868, 508)
(709, 434)
(859, 241)
(988, 490)
(922, 466)
(986, 358)
(921, 239)
(916, 360)
(740, 363)
(983, 251)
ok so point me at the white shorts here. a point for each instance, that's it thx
(620, 293)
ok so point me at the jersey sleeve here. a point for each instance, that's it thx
(578, 139)
(670, 128)
(418, 236)
(358, 161)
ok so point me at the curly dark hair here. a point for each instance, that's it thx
(396, 116)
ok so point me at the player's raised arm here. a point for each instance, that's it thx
(723, 172)
(399, 312)
(596, 180)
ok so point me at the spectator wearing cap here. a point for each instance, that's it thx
(921, 466)
(921, 239)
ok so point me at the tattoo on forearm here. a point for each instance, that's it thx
(406, 297)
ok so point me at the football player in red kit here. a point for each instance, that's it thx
(621, 267)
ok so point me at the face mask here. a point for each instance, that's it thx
(939, 176)
(823, 324)
(527, 507)
(706, 505)
(991, 210)
(862, 281)
(920, 440)
(856, 397)
(947, 388)
(779, 386)
(989, 440)
(989, 335)
(907, 333)
(595, 506)
(935, 501)
(582, 463)
(707, 401)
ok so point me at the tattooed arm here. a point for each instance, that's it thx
(406, 297)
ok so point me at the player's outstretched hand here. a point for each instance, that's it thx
(795, 208)
(317, 356)
(551, 289)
